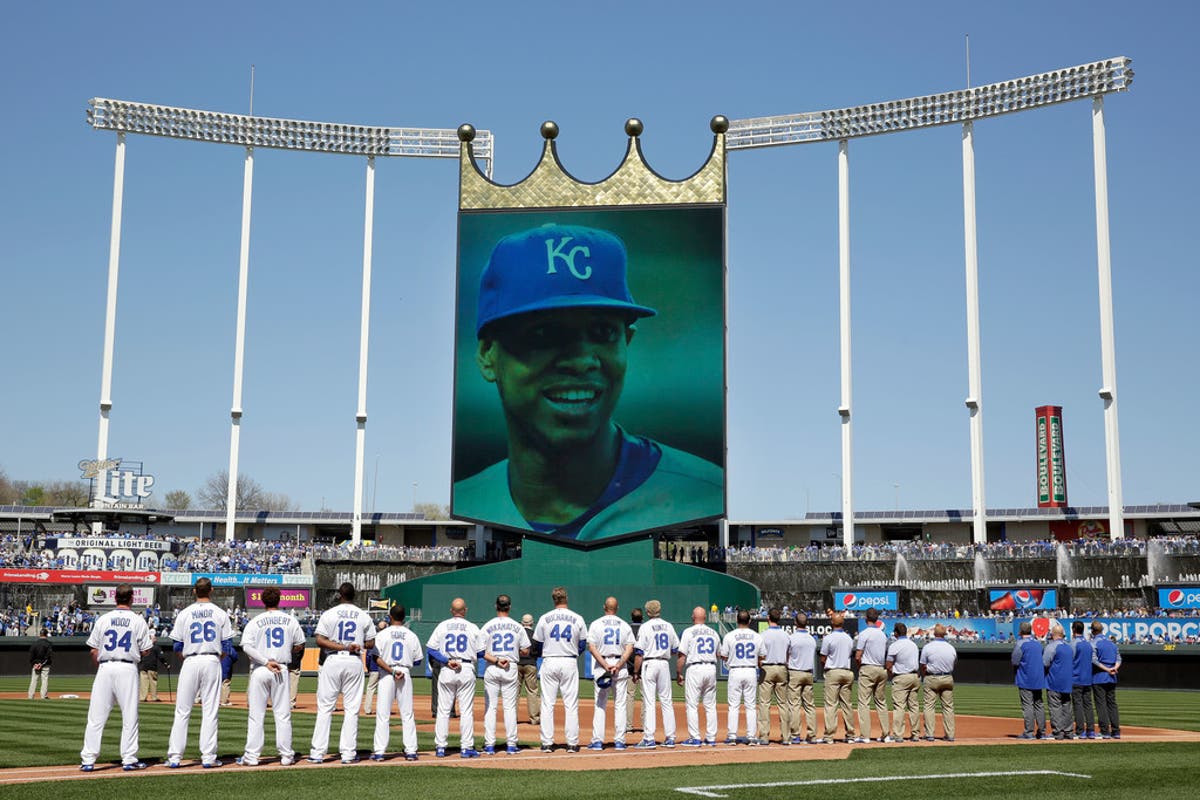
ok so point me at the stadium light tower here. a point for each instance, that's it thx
(252, 132)
(1086, 81)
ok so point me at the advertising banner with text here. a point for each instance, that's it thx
(106, 596)
(288, 598)
(76, 576)
(862, 599)
(225, 579)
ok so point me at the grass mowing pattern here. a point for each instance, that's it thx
(1122, 769)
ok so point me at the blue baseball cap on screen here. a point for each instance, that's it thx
(555, 266)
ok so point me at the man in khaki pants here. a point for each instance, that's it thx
(870, 653)
(902, 666)
(802, 651)
(836, 648)
(527, 676)
(937, 667)
(773, 680)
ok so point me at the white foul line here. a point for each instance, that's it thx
(711, 791)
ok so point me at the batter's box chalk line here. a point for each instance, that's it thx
(716, 791)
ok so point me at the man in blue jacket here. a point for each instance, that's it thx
(1081, 683)
(1106, 660)
(1058, 659)
(1030, 680)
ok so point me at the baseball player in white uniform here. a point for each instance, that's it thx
(503, 641)
(344, 632)
(656, 642)
(454, 644)
(563, 636)
(271, 641)
(740, 650)
(202, 633)
(698, 648)
(118, 641)
(399, 650)
(610, 641)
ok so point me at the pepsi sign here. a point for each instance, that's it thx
(1179, 597)
(862, 599)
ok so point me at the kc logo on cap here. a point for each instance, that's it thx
(555, 266)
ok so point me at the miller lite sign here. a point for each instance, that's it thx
(1051, 457)
(113, 486)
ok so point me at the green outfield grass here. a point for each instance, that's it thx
(1113, 770)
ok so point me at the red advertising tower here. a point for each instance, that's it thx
(1051, 457)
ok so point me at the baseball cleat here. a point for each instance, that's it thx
(489, 749)
(888, 740)
(134, 766)
(242, 761)
(797, 740)
(752, 742)
(1026, 735)
(619, 746)
(691, 742)
(513, 748)
(669, 742)
(860, 740)
(731, 740)
(353, 760)
(711, 742)
(315, 760)
(214, 764)
(646, 744)
(174, 763)
(1116, 735)
(440, 752)
(949, 738)
(469, 752)
(596, 746)
(410, 756)
(286, 761)
(547, 748)
(572, 748)
(378, 757)
(84, 767)
(930, 739)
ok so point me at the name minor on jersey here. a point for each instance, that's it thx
(202, 613)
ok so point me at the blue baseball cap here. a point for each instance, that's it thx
(555, 266)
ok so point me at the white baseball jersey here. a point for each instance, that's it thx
(120, 635)
(455, 638)
(272, 636)
(740, 648)
(561, 633)
(347, 624)
(503, 637)
(202, 627)
(398, 647)
(699, 644)
(657, 639)
(610, 635)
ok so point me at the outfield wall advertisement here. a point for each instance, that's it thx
(76, 576)
(1179, 597)
(224, 579)
(862, 599)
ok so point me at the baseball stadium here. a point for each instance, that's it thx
(632, 579)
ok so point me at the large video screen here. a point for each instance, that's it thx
(589, 398)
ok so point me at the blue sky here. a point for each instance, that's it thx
(507, 67)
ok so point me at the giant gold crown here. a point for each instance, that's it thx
(633, 183)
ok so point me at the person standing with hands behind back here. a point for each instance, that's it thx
(344, 630)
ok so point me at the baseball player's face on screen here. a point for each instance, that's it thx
(559, 373)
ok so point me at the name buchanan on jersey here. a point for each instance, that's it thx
(561, 616)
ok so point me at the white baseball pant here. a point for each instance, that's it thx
(340, 674)
(620, 692)
(265, 685)
(656, 687)
(115, 681)
(460, 685)
(200, 676)
(560, 674)
(700, 686)
(742, 689)
(502, 684)
(400, 689)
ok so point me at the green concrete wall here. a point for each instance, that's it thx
(629, 571)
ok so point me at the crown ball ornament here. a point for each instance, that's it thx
(633, 127)
(549, 130)
(466, 132)
(719, 124)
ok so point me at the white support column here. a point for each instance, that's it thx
(110, 311)
(360, 417)
(844, 307)
(1108, 355)
(974, 360)
(239, 348)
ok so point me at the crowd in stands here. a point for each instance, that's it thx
(346, 552)
(943, 551)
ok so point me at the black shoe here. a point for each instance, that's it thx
(547, 748)
(572, 748)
